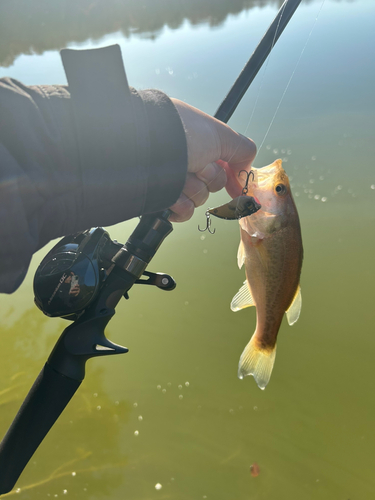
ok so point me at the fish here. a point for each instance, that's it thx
(272, 252)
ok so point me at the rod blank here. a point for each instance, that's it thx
(249, 72)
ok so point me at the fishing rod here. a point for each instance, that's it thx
(82, 279)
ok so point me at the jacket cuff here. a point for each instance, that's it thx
(133, 151)
(168, 151)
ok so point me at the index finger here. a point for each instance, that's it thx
(236, 149)
(237, 153)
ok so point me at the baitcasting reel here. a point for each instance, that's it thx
(72, 274)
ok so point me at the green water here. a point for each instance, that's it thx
(172, 411)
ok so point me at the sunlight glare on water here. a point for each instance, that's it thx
(171, 417)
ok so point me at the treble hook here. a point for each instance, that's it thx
(208, 224)
(245, 189)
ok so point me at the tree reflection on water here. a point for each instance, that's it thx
(35, 27)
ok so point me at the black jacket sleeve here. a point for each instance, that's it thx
(92, 153)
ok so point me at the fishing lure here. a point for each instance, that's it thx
(239, 207)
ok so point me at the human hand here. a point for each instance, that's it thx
(216, 154)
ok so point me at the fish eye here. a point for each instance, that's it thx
(280, 189)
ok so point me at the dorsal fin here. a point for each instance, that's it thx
(242, 299)
(294, 310)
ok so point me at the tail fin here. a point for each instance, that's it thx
(257, 362)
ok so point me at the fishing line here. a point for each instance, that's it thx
(287, 85)
(261, 83)
(263, 75)
(291, 77)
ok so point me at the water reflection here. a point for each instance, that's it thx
(81, 453)
(35, 27)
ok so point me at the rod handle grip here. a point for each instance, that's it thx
(46, 400)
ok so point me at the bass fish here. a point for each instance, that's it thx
(271, 249)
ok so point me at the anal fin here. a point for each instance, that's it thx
(292, 314)
(242, 299)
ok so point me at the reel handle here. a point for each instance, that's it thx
(46, 400)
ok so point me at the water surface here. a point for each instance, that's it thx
(172, 411)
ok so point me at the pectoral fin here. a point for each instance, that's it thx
(242, 298)
(241, 254)
(294, 310)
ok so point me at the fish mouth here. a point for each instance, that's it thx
(257, 203)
